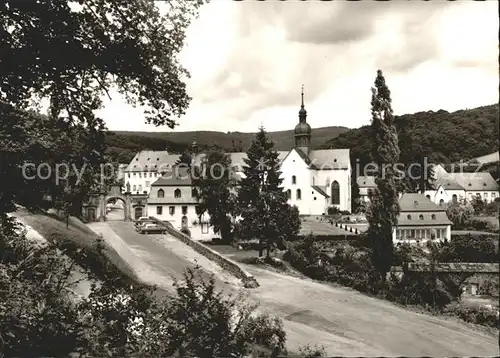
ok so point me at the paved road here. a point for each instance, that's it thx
(346, 322)
(160, 258)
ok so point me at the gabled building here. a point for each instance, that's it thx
(420, 219)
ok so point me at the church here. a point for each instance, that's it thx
(314, 180)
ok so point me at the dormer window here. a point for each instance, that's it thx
(149, 158)
(157, 158)
(177, 193)
(421, 217)
(484, 184)
(433, 216)
(136, 159)
(408, 217)
(160, 193)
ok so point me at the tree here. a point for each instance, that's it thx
(185, 159)
(382, 213)
(263, 206)
(95, 37)
(460, 214)
(215, 185)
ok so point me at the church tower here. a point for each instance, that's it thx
(303, 129)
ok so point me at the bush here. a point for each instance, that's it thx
(492, 208)
(477, 315)
(38, 318)
(468, 248)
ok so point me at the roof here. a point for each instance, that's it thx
(366, 181)
(320, 190)
(413, 202)
(328, 159)
(151, 160)
(447, 182)
(436, 218)
(475, 181)
(180, 176)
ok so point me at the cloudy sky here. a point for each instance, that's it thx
(248, 61)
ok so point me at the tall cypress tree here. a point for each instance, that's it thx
(384, 209)
(263, 206)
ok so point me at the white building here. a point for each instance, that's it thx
(453, 187)
(173, 199)
(366, 184)
(420, 219)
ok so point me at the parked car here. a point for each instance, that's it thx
(142, 220)
(151, 229)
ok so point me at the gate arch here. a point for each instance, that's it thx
(115, 193)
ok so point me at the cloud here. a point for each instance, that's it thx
(248, 61)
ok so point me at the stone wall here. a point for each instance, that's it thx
(248, 280)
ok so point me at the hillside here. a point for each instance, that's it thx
(124, 144)
(441, 136)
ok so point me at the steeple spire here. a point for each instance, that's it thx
(302, 112)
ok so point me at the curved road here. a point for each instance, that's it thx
(346, 322)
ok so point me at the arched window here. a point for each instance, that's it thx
(177, 193)
(454, 198)
(433, 216)
(408, 217)
(421, 217)
(299, 194)
(294, 179)
(289, 194)
(441, 202)
(335, 193)
(160, 193)
(428, 197)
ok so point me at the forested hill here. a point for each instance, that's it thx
(441, 136)
(124, 145)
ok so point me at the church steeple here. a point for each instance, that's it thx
(302, 111)
(302, 129)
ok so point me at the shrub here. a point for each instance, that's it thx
(477, 315)
(311, 352)
(468, 248)
(38, 318)
(492, 208)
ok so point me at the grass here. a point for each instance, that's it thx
(76, 235)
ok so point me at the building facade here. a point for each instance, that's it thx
(420, 220)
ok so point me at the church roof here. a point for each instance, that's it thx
(320, 190)
(328, 159)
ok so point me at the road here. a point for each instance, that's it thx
(346, 322)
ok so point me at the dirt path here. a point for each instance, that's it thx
(347, 323)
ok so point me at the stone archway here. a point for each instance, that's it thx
(115, 193)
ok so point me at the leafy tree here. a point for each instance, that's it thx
(382, 213)
(185, 159)
(215, 185)
(468, 248)
(460, 214)
(479, 205)
(263, 206)
(94, 36)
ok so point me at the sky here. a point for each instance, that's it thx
(248, 61)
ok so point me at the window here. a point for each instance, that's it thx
(289, 194)
(493, 196)
(134, 188)
(150, 174)
(194, 192)
(299, 194)
(454, 198)
(177, 193)
(438, 233)
(160, 193)
(294, 179)
(441, 202)
(313, 180)
(433, 216)
(204, 228)
(408, 217)
(128, 175)
(134, 174)
(485, 195)
(421, 217)
(140, 175)
(184, 210)
(148, 184)
(159, 210)
(171, 210)
(197, 210)
(428, 197)
(140, 187)
(335, 193)
(412, 234)
(370, 191)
